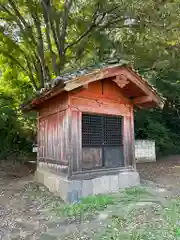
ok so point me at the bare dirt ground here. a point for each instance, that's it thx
(165, 172)
(25, 213)
(20, 217)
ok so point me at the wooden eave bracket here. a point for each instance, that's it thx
(146, 99)
(121, 80)
(141, 100)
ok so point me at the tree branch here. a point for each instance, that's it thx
(92, 26)
(31, 75)
(46, 20)
(67, 6)
(89, 29)
(55, 37)
(21, 20)
(18, 14)
(108, 24)
(41, 48)
(5, 53)
(6, 10)
(39, 71)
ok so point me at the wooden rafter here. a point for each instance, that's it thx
(143, 99)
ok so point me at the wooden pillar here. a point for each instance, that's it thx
(76, 142)
(68, 135)
(128, 139)
(132, 139)
(38, 139)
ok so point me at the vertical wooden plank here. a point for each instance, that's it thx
(47, 146)
(124, 132)
(76, 161)
(66, 132)
(63, 132)
(79, 142)
(61, 136)
(54, 124)
(48, 137)
(52, 136)
(133, 139)
(69, 150)
(56, 138)
(38, 138)
(43, 137)
(127, 141)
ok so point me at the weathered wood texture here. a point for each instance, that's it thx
(60, 125)
(75, 149)
(53, 122)
(128, 141)
(54, 105)
(101, 97)
(131, 84)
(92, 158)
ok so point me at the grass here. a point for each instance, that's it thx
(87, 206)
(129, 219)
(148, 222)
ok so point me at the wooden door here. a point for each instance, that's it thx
(102, 141)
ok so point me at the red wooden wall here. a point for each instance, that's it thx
(53, 129)
(103, 97)
(59, 122)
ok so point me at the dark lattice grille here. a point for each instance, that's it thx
(112, 130)
(91, 130)
(100, 130)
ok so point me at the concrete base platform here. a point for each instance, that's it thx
(73, 190)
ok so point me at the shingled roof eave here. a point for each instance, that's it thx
(50, 91)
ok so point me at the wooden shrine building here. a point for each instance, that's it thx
(86, 130)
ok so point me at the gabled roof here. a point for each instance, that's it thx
(123, 75)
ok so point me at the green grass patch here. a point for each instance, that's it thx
(86, 207)
(137, 191)
(132, 195)
(148, 222)
(129, 220)
(89, 205)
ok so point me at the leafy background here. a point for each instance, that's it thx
(40, 40)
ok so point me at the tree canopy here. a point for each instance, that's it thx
(41, 39)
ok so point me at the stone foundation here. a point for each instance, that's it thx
(72, 190)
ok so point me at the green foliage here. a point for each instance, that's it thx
(162, 125)
(40, 41)
(15, 137)
(43, 37)
(16, 131)
(87, 206)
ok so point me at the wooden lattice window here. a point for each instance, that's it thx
(100, 130)
(102, 140)
(92, 130)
